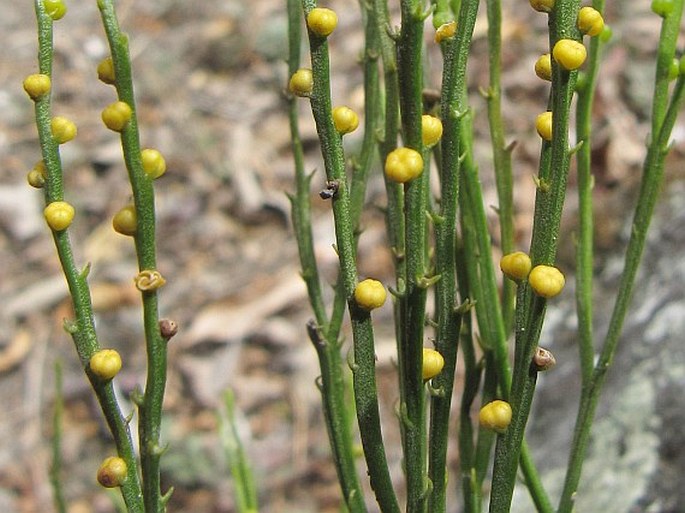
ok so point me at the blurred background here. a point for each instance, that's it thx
(209, 80)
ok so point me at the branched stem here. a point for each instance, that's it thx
(82, 329)
(366, 396)
(322, 333)
(549, 205)
(144, 201)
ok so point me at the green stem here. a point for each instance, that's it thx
(245, 490)
(300, 203)
(332, 387)
(585, 245)
(366, 395)
(332, 382)
(652, 179)
(449, 320)
(394, 212)
(472, 377)
(372, 112)
(57, 428)
(500, 152)
(82, 329)
(144, 200)
(362, 166)
(412, 397)
(491, 323)
(549, 205)
(670, 29)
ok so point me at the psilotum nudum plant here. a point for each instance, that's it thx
(447, 299)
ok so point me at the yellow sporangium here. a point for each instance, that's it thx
(55, 9)
(106, 71)
(546, 281)
(569, 54)
(433, 362)
(112, 472)
(59, 215)
(370, 294)
(37, 85)
(117, 115)
(543, 67)
(445, 31)
(345, 120)
(543, 125)
(403, 164)
(516, 266)
(495, 416)
(153, 161)
(431, 130)
(542, 5)
(302, 82)
(105, 364)
(36, 177)
(322, 21)
(63, 129)
(125, 221)
(590, 21)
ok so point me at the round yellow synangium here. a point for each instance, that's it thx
(431, 130)
(495, 416)
(569, 54)
(433, 362)
(153, 162)
(516, 266)
(370, 294)
(37, 85)
(63, 129)
(112, 472)
(543, 67)
(590, 21)
(105, 364)
(546, 281)
(125, 221)
(302, 82)
(345, 120)
(117, 115)
(543, 125)
(59, 215)
(322, 21)
(403, 164)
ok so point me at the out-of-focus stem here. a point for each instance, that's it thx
(456, 53)
(500, 152)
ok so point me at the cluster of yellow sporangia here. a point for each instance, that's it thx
(568, 54)
(402, 164)
(546, 281)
